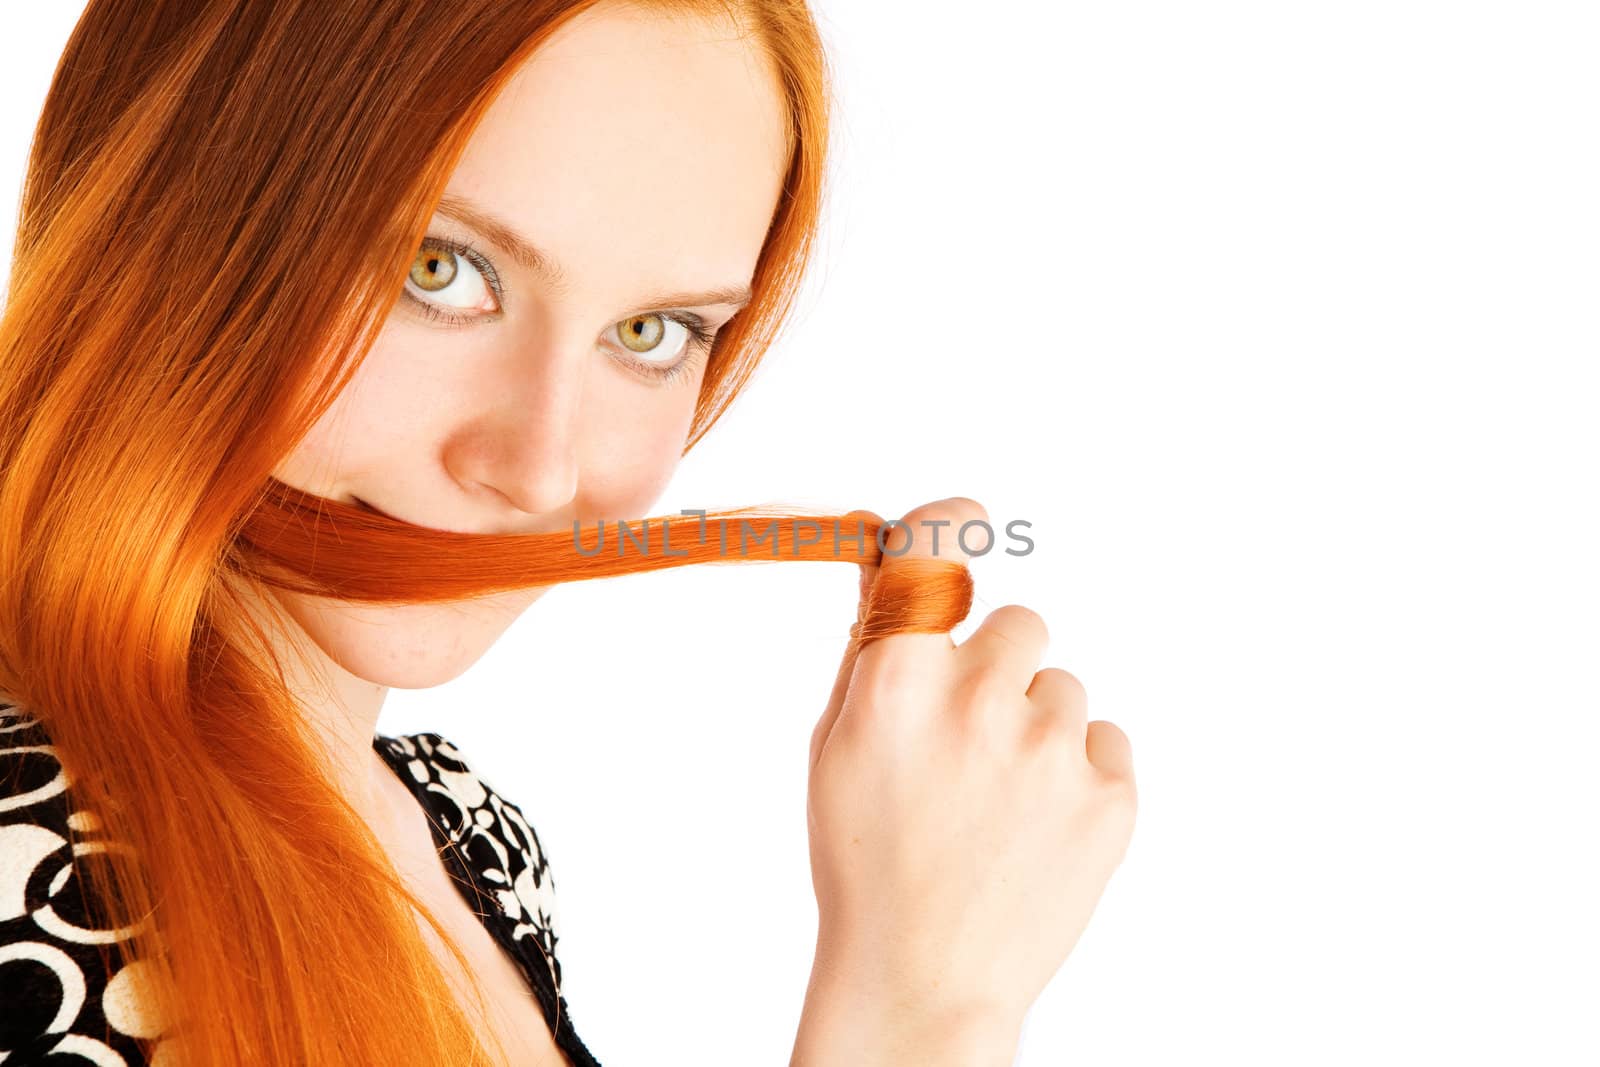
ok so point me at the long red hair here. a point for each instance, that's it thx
(162, 348)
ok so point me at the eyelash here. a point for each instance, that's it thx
(700, 337)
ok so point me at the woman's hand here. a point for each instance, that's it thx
(965, 817)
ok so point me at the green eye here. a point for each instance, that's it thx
(433, 270)
(454, 280)
(642, 333)
(650, 335)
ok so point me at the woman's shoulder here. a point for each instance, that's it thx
(489, 832)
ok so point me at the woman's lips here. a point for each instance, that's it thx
(364, 506)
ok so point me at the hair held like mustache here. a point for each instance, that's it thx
(318, 546)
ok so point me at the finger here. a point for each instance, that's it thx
(1109, 749)
(926, 532)
(923, 533)
(1059, 693)
(847, 664)
(1011, 638)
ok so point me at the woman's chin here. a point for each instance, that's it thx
(408, 646)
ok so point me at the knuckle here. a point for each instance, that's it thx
(820, 731)
(954, 511)
(985, 686)
(1112, 731)
(885, 675)
(897, 679)
(1120, 798)
(1058, 741)
(949, 507)
(985, 708)
(1063, 687)
(1058, 730)
(1021, 620)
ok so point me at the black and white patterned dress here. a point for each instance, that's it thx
(68, 997)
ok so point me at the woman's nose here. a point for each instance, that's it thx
(540, 477)
(523, 443)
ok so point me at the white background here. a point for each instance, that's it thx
(1277, 321)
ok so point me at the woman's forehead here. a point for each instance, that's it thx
(657, 143)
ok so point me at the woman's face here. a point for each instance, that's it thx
(638, 160)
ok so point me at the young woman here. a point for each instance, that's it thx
(327, 322)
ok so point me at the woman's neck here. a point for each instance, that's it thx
(341, 708)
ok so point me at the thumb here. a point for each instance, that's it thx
(914, 552)
(847, 666)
